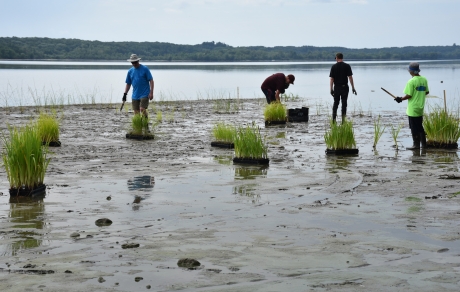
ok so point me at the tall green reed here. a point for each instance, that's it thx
(378, 131)
(275, 111)
(24, 158)
(224, 132)
(441, 126)
(48, 127)
(395, 133)
(249, 144)
(340, 136)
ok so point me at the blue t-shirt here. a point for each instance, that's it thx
(139, 79)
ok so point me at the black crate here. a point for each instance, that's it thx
(298, 114)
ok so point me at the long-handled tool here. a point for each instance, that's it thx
(388, 92)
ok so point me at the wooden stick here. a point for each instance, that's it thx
(388, 92)
(445, 106)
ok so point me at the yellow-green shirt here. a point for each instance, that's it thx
(417, 88)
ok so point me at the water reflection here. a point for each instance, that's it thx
(26, 215)
(250, 172)
(224, 159)
(334, 163)
(143, 184)
(247, 191)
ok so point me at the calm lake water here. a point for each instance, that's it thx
(40, 82)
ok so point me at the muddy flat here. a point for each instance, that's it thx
(119, 214)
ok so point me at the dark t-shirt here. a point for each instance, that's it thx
(275, 82)
(340, 72)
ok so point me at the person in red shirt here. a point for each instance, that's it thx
(276, 84)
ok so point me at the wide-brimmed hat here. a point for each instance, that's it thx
(133, 58)
(291, 78)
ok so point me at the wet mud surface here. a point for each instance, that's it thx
(381, 220)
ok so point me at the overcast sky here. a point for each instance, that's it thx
(344, 23)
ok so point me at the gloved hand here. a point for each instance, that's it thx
(354, 91)
(332, 92)
(124, 97)
(398, 99)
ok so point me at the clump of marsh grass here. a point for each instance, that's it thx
(159, 116)
(340, 136)
(24, 158)
(249, 143)
(224, 132)
(441, 127)
(275, 112)
(395, 133)
(48, 127)
(139, 124)
(378, 131)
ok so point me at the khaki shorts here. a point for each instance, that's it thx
(140, 103)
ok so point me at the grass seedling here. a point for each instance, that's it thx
(159, 116)
(275, 111)
(340, 136)
(223, 132)
(395, 133)
(48, 127)
(378, 131)
(249, 143)
(441, 127)
(24, 157)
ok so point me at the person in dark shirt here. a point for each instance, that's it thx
(339, 76)
(276, 84)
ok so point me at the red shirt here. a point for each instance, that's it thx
(275, 82)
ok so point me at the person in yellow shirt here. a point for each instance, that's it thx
(415, 92)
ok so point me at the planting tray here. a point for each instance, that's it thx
(53, 143)
(228, 145)
(139, 137)
(261, 161)
(298, 114)
(270, 123)
(342, 151)
(26, 192)
(438, 145)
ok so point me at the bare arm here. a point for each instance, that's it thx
(352, 84)
(151, 89)
(277, 95)
(127, 87)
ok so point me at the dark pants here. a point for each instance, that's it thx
(340, 94)
(269, 95)
(416, 125)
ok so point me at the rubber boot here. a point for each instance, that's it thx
(344, 118)
(423, 140)
(416, 145)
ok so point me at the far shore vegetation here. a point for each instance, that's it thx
(35, 48)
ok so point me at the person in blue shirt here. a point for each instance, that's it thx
(141, 79)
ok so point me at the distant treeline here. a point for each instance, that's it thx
(74, 49)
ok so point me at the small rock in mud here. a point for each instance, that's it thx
(68, 272)
(29, 266)
(137, 279)
(103, 222)
(109, 198)
(148, 287)
(101, 280)
(188, 263)
(129, 245)
(75, 234)
(443, 250)
(214, 270)
(234, 269)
